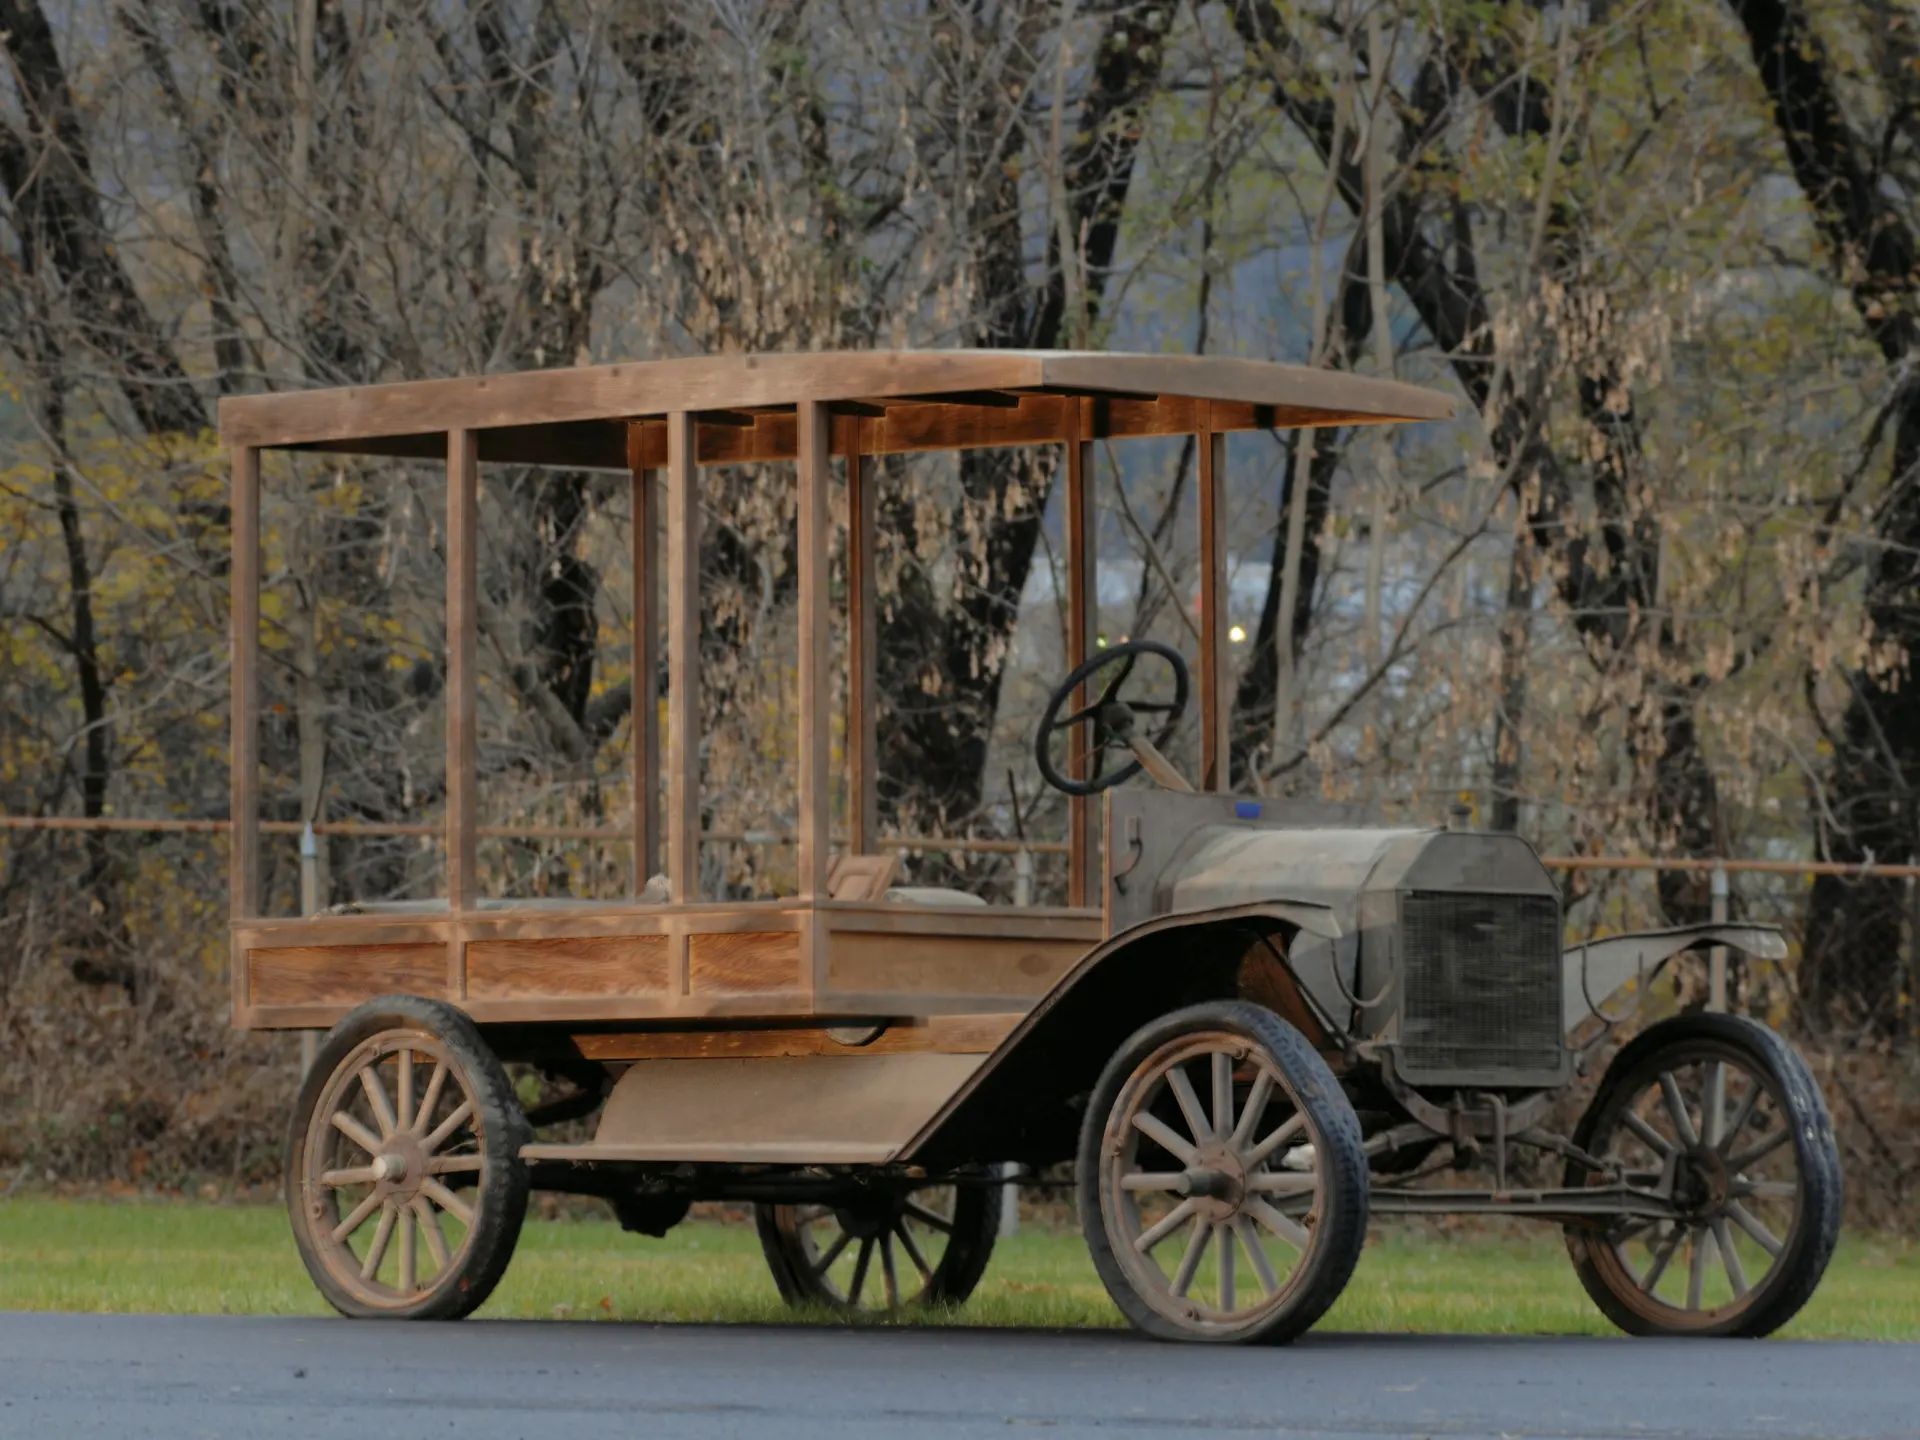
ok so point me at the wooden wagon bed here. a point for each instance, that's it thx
(685, 964)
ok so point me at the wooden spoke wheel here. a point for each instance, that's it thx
(404, 1180)
(1720, 1116)
(883, 1251)
(1223, 1183)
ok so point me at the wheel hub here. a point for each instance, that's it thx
(400, 1166)
(868, 1218)
(1701, 1181)
(1218, 1180)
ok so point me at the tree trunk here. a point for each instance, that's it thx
(105, 962)
(58, 199)
(1453, 308)
(1850, 972)
(942, 662)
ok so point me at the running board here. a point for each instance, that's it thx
(852, 1109)
(766, 1152)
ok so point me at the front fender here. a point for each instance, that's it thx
(1018, 1105)
(1597, 970)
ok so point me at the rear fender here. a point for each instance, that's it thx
(1024, 1103)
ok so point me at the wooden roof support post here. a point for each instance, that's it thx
(816, 713)
(1082, 616)
(683, 660)
(645, 724)
(863, 649)
(243, 844)
(1215, 702)
(463, 547)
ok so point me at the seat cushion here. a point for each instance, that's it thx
(930, 895)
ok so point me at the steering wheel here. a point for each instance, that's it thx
(1111, 717)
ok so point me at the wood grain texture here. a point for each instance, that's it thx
(622, 444)
(463, 546)
(578, 445)
(911, 429)
(942, 1035)
(815, 658)
(559, 968)
(243, 849)
(863, 651)
(1215, 702)
(1003, 922)
(644, 725)
(683, 659)
(862, 877)
(344, 974)
(744, 961)
(613, 392)
(947, 964)
(1083, 608)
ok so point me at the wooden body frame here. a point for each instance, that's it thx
(687, 963)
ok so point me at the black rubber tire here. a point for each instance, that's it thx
(1332, 1127)
(976, 1225)
(1816, 1229)
(499, 1125)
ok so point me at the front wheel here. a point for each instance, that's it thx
(1718, 1114)
(1222, 1177)
(404, 1179)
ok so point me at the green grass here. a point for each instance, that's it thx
(186, 1258)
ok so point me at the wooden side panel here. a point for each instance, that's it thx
(941, 1035)
(559, 968)
(343, 974)
(745, 961)
(947, 964)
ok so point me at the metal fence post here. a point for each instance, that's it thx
(1717, 957)
(309, 905)
(1913, 956)
(1023, 876)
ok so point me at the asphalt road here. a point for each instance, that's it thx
(206, 1376)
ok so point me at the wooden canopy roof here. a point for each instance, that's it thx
(672, 416)
(614, 416)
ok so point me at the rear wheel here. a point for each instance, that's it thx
(404, 1181)
(884, 1250)
(1718, 1113)
(1223, 1180)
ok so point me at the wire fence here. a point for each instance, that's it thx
(985, 845)
(144, 1070)
(957, 843)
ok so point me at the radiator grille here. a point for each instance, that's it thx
(1482, 984)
